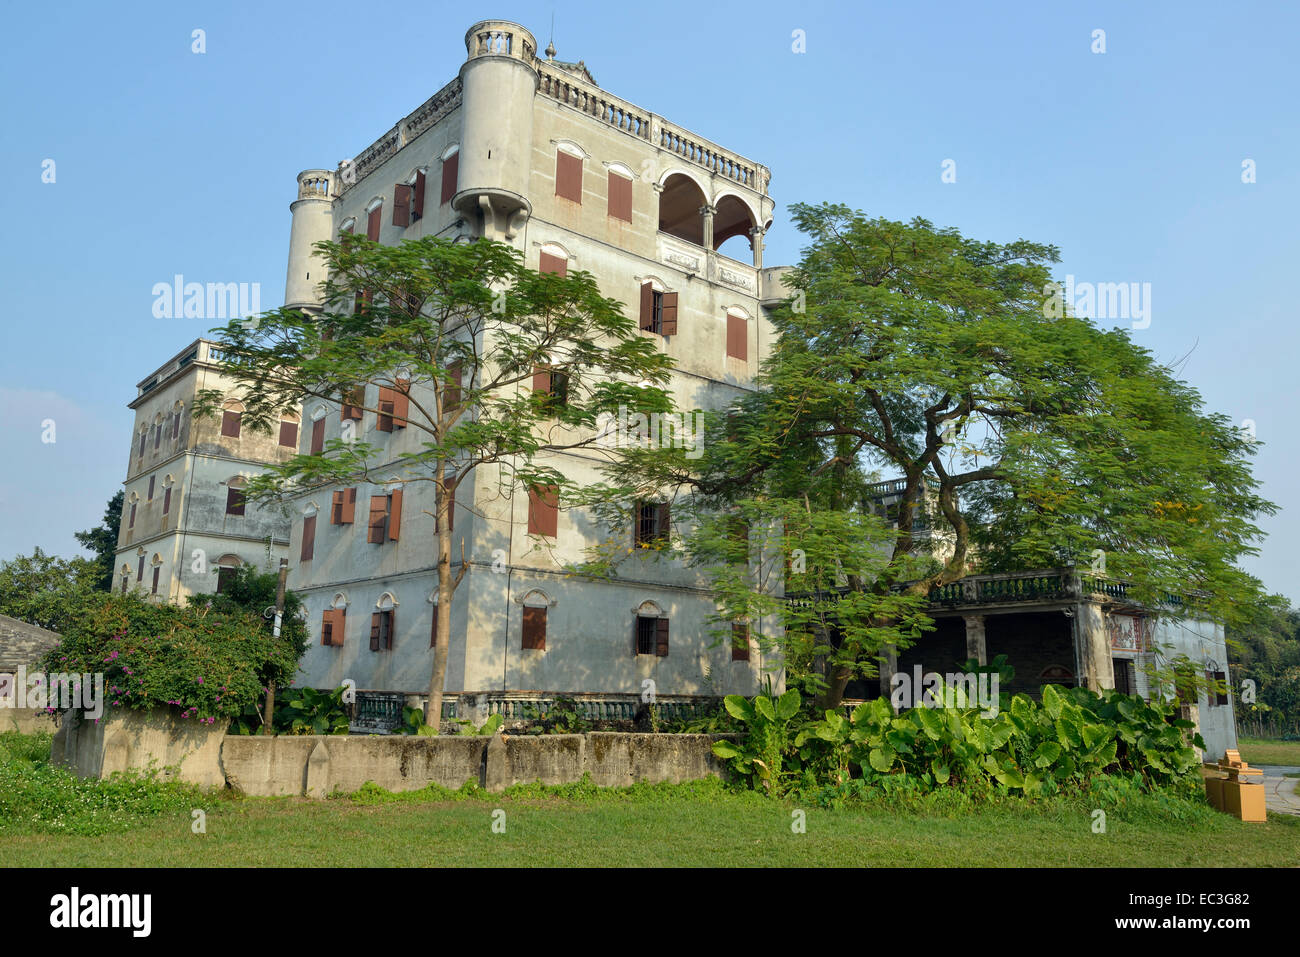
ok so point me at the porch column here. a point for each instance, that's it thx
(756, 237)
(706, 215)
(975, 644)
(1092, 645)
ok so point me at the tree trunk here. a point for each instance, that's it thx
(836, 682)
(433, 707)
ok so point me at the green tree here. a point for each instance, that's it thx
(1024, 436)
(102, 540)
(46, 590)
(458, 330)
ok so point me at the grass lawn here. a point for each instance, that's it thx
(656, 826)
(1261, 751)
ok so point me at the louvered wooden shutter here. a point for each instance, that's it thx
(737, 337)
(541, 379)
(157, 436)
(417, 197)
(374, 630)
(384, 422)
(401, 403)
(318, 437)
(401, 205)
(739, 642)
(668, 325)
(154, 589)
(131, 521)
(647, 305)
(353, 400)
(534, 629)
(661, 521)
(336, 508)
(139, 575)
(543, 511)
(229, 424)
(378, 519)
(661, 637)
(395, 515)
(548, 263)
(568, 176)
(620, 197)
(308, 538)
(234, 501)
(349, 506)
(289, 434)
(372, 223)
(450, 174)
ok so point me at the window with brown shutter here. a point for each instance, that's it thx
(417, 197)
(534, 629)
(394, 514)
(139, 575)
(234, 501)
(378, 525)
(372, 223)
(402, 205)
(668, 320)
(661, 637)
(650, 524)
(739, 642)
(230, 423)
(737, 337)
(543, 511)
(433, 631)
(568, 176)
(154, 589)
(308, 538)
(384, 421)
(451, 513)
(553, 264)
(167, 500)
(149, 497)
(450, 173)
(648, 304)
(381, 631)
(143, 438)
(343, 508)
(394, 406)
(333, 625)
(318, 436)
(651, 636)
(620, 197)
(176, 427)
(288, 434)
(157, 436)
(131, 521)
(353, 399)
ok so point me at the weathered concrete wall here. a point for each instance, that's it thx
(183, 749)
(317, 766)
(26, 720)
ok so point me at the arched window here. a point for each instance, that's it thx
(650, 635)
(533, 619)
(235, 500)
(680, 203)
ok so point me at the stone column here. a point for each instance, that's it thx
(1092, 642)
(706, 214)
(976, 646)
(756, 237)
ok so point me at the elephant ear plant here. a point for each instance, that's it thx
(758, 754)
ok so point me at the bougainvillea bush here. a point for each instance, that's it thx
(205, 663)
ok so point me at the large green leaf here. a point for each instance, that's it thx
(882, 759)
(1046, 754)
(1052, 701)
(787, 706)
(738, 708)
(763, 705)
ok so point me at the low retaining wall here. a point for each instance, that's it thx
(319, 765)
(26, 720)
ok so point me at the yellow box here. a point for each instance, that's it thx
(1244, 801)
(1214, 792)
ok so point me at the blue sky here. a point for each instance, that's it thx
(168, 161)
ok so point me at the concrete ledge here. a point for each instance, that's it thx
(182, 749)
(26, 720)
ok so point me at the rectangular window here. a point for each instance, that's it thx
(143, 438)
(130, 523)
(737, 337)
(154, 589)
(739, 642)
(534, 629)
(344, 507)
(381, 631)
(149, 497)
(167, 500)
(417, 198)
(288, 434)
(372, 223)
(176, 426)
(385, 517)
(318, 437)
(402, 205)
(651, 523)
(333, 623)
(543, 511)
(1216, 688)
(1125, 682)
(230, 424)
(157, 436)
(234, 501)
(620, 197)
(554, 385)
(308, 539)
(139, 574)
(433, 631)
(651, 636)
(353, 400)
(225, 577)
(658, 311)
(450, 173)
(552, 264)
(568, 176)
(394, 406)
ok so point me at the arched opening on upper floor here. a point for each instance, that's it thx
(679, 209)
(731, 229)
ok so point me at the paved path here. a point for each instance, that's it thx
(1279, 791)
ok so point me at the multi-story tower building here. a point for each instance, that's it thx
(531, 151)
(185, 524)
